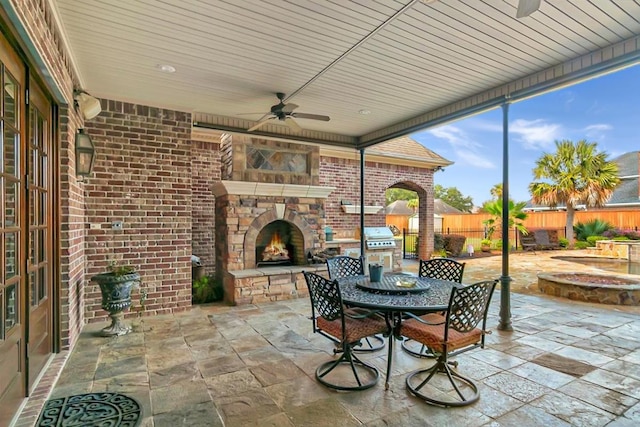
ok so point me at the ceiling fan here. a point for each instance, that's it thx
(284, 113)
(527, 7)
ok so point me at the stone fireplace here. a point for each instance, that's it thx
(268, 200)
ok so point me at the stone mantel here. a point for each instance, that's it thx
(243, 188)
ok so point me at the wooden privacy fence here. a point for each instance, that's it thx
(624, 219)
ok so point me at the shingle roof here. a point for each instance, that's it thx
(406, 147)
(399, 207)
(441, 207)
(628, 163)
(628, 190)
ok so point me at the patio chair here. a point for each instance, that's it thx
(528, 241)
(332, 320)
(342, 266)
(442, 268)
(345, 266)
(452, 333)
(437, 268)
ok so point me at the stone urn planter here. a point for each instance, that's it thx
(115, 287)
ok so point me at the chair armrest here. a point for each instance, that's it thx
(360, 313)
(421, 320)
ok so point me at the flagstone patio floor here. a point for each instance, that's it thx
(565, 363)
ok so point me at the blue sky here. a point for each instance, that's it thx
(605, 110)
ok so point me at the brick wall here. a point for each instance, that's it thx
(142, 177)
(344, 174)
(205, 169)
(72, 235)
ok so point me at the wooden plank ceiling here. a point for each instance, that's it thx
(430, 60)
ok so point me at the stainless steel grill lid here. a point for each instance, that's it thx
(379, 238)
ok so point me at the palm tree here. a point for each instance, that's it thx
(576, 174)
(496, 191)
(516, 216)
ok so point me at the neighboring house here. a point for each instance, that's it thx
(402, 216)
(626, 194)
(440, 207)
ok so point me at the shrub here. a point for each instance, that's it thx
(620, 238)
(616, 232)
(438, 242)
(206, 289)
(485, 242)
(454, 243)
(581, 245)
(591, 240)
(563, 242)
(594, 227)
(499, 244)
(632, 235)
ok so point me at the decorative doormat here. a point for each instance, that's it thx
(563, 364)
(91, 409)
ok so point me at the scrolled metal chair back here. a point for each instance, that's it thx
(345, 266)
(325, 296)
(469, 305)
(442, 268)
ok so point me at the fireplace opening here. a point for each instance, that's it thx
(278, 243)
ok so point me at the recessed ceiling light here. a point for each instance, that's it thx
(364, 112)
(166, 68)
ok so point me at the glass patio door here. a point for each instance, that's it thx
(12, 278)
(26, 231)
(40, 230)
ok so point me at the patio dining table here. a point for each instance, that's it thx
(391, 297)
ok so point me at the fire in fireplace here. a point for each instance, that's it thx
(276, 244)
(275, 250)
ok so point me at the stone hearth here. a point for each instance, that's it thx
(243, 210)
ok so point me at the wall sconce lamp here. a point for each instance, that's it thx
(87, 105)
(85, 154)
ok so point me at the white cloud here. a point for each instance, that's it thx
(569, 101)
(484, 125)
(465, 149)
(475, 159)
(597, 131)
(535, 134)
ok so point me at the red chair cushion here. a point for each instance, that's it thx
(356, 329)
(433, 335)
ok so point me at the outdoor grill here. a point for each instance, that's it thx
(378, 238)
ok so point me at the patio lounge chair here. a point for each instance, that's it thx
(332, 320)
(539, 239)
(437, 268)
(452, 333)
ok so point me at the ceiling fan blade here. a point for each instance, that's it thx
(292, 124)
(310, 116)
(289, 108)
(527, 7)
(260, 124)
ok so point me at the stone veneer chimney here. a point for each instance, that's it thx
(264, 181)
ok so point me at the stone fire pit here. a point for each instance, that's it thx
(592, 287)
